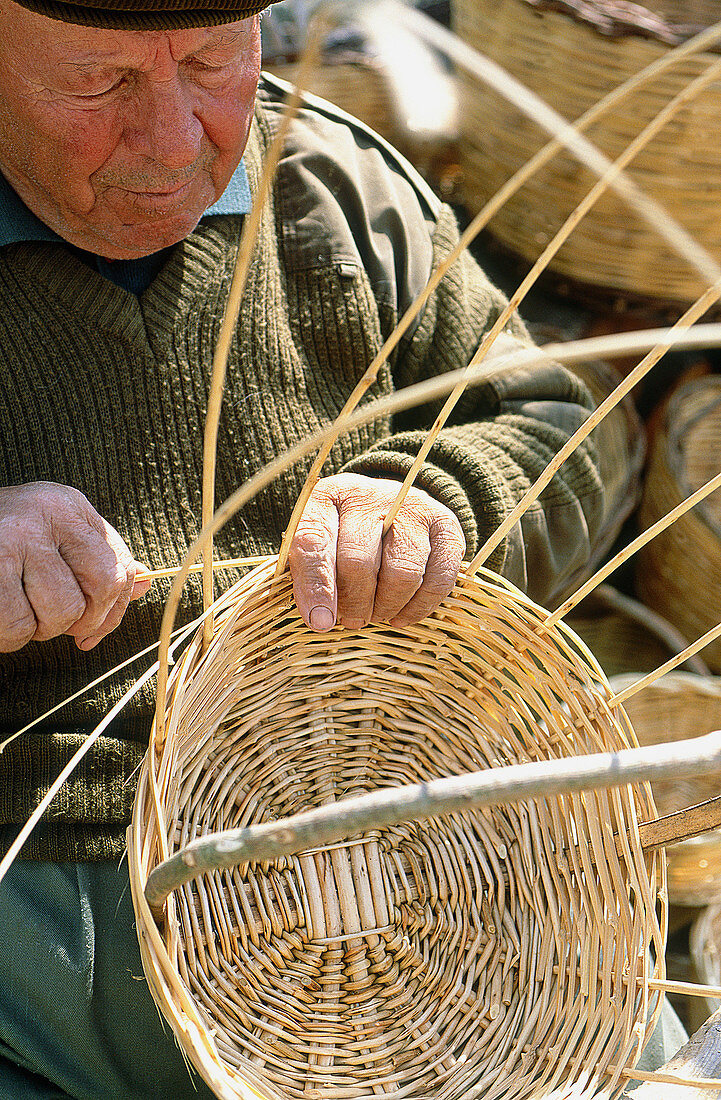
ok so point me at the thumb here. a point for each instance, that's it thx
(142, 581)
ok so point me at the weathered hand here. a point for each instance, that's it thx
(345, 571)
(63, 569)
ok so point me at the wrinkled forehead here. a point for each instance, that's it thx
(144, 15)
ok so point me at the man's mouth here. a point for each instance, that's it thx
(153, 200)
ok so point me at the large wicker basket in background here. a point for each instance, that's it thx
(355, 84)
(496, 953)
(679, 571)
(568, 62)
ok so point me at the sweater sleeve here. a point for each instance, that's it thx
(500, 437)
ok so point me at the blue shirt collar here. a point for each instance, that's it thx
(18, 223)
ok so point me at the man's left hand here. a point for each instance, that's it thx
(346, 571)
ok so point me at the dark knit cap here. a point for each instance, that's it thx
(147, 15)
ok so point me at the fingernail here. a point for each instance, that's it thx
(89, 643)
(322, 618)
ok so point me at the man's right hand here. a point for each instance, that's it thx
(63, 568)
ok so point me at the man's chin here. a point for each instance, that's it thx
(132, 241)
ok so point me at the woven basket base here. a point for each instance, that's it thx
(478, 954)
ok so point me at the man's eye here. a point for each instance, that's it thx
(208, 72)
(101, 93)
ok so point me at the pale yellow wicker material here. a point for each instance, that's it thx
(491, 953)
(682, 705)
(679, 572)
(571, 66)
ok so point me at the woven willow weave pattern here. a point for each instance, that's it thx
(487, 953)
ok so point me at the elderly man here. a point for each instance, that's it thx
(131, 141)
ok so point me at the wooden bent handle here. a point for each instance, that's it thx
(337, 821)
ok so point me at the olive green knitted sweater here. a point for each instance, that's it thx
(107, 392)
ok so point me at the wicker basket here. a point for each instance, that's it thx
(497, 953)
(571, 64)
(679, 572)
(678, 706)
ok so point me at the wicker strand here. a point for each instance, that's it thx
(672, 1079)
(623, 555)
(552, 248)
(85, 746)
(697, 310)
(688, 989)
(317, 31)
(668, 666)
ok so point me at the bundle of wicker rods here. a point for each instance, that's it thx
(686, 453)
(494, 952)
(572, 54)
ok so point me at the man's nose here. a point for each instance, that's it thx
(166, 128)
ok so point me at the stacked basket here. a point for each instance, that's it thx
(679, 572)
(572, 53)
(678, 706)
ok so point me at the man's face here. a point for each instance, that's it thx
(120, 140)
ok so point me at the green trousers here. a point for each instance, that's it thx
(76, 1017)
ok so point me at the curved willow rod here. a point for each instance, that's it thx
(618, 344)
(588, 201)
(702, 41)
(668, 666)
(87, 687)
(623, 555)
(318, 27)
(85, 746)
(689, 318)
(218, 564)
